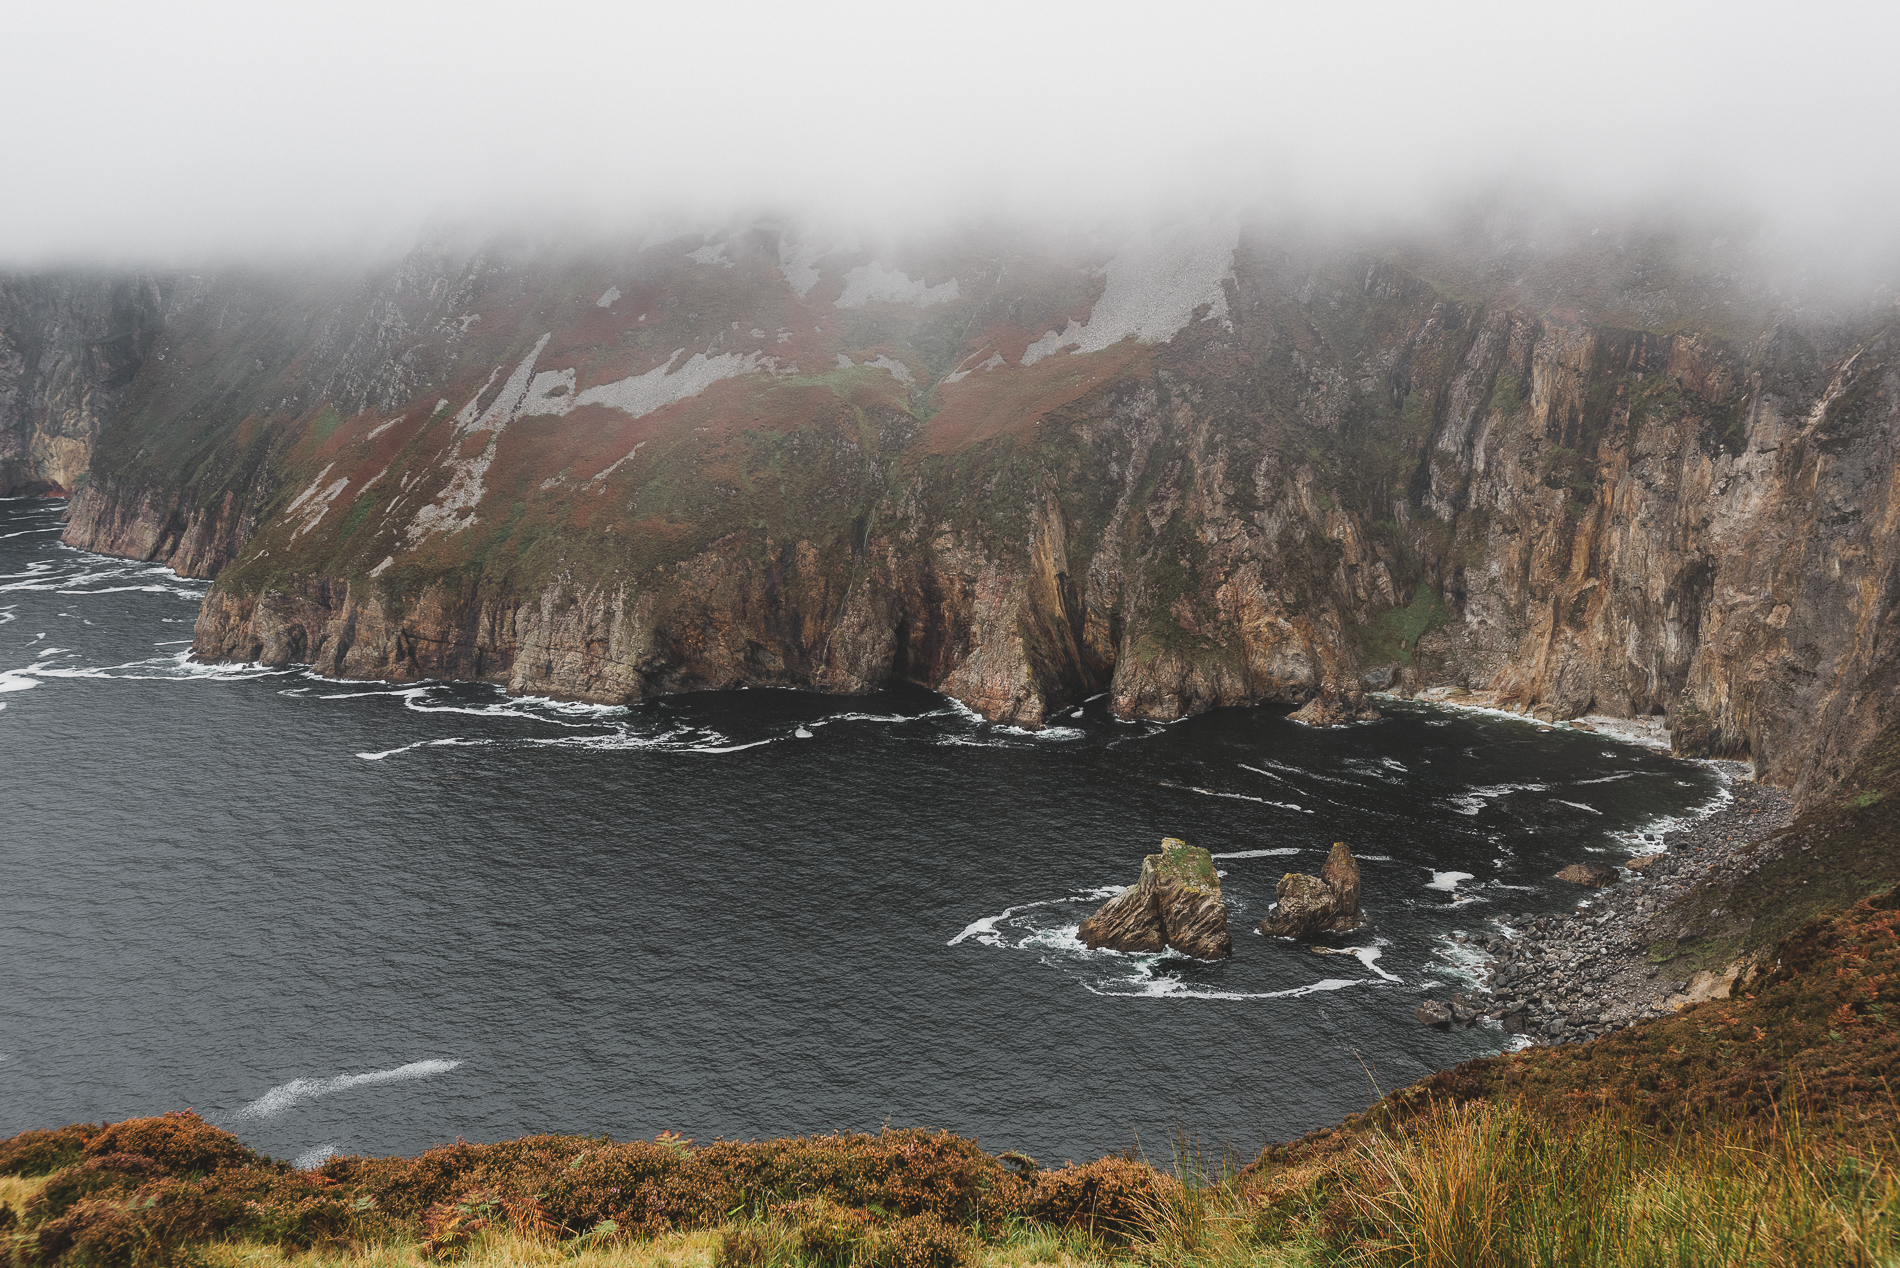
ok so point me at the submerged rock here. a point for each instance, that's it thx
(1594, 875)
(1176, 903)
(1327, 903)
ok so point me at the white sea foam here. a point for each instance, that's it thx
(1473, 800)
(289, 1095)
(1447, 881)
(1257, 854)
(314, 1157)
(1368, 957)
(451, 742)
(725, 748)
(985, 930)
(1171, 987)
(1211, 792)
(1576, 805)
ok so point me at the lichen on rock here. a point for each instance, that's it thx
(1177, 903)
(1309, 905)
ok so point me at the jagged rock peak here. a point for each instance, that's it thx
(1176, 903)
(1337, 703)
(1327, 903)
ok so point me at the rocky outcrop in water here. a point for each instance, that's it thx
(1177, 903)
(1336, 704)
(1327, 903)
(1590, 875)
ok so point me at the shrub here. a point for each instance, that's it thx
(637, 1185)
(180, 1142)
(922, 1241)
(828, 1235)
(754, 1244)
(39, 1153)
(1112, 1198)
(114, 1173)
(449, 1227)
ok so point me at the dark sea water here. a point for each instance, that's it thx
(368, 917)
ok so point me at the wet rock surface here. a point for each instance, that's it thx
(1336, 704)
(1591, 875)
(1565, 978)
(1327, 903)
(1177, 903)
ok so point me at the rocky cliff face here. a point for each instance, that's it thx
(1196, 467)
(69, 347)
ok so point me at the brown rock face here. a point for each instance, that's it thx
(1577, 503)
(1336, 704)
(1176, 903)
(1130, 921)
(1341, 875)
(1327, 903)
(1593, 875)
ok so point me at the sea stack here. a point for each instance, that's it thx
(1336, 704)
(1327, 903)
(1176, 903)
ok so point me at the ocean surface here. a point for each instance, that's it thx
(369, 917)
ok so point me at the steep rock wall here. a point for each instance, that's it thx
(1343, 470)
(70, 344)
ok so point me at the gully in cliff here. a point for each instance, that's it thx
(1176, 903)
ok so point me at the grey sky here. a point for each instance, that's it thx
(167, 132)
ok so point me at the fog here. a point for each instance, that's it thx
(183, 133)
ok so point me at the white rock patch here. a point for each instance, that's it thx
(1154, 285)
(454, 508)
(309, 492)
(897, 369)
(868, 282)
(608, 297)
(552, 392)
(641, 394)
(319, 504)
(995, 359)
(799, 266)
(710, 254)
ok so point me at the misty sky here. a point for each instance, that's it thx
(169, 132)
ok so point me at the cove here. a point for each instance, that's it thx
(367, 917)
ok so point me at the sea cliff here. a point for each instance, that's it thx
(1206, 465)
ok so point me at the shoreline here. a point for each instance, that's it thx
(1567, 978)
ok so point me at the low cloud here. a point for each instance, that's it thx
(173, 134)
